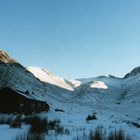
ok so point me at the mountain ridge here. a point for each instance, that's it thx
(54, 88)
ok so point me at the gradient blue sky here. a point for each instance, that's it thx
(73, 38)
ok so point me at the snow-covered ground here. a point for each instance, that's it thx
(74, 119)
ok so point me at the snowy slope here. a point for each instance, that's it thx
(48, 77)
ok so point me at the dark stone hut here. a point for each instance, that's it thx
(13, 101)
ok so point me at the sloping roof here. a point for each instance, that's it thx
(29, 96)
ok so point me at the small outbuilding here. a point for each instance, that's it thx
(12, 101)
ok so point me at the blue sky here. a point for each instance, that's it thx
(73, 38)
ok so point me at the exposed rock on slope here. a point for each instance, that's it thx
(4, 57)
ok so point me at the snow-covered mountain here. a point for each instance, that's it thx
(103, 92)
(47, 85)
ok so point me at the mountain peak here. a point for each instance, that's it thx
(134, 72)
(4, 57)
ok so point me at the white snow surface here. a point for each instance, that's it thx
(98, 84)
